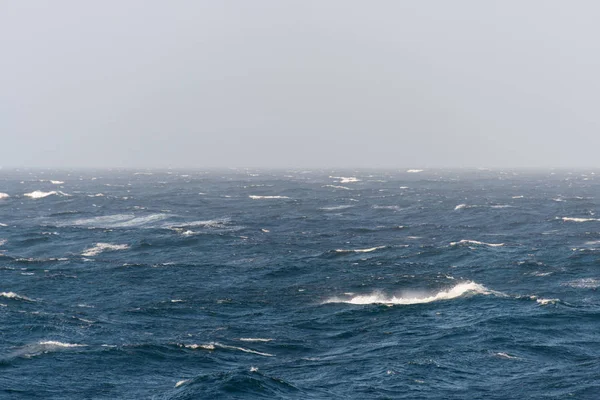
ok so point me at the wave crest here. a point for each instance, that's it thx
(452, 293)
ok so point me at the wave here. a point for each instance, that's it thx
(414, 171)
(1, 224)
(255, 340)
(370, 249)
(3, 242)
(14, 296)
(43, 347)
(572, 219)
(119, 221)
(346, 179)
(56, 182)
(38, 194)
(335, 208)
(256, 197)
(337, 187)
(215, 345)
(394, 208)
(584, 283)
(475, 242)
(211, 223)
(4, 196)
(101, 247)
(460, 207)
(452, 293)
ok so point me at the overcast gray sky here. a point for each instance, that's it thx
(280, 83)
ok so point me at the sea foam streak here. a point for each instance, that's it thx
(256, 197)
(100, 247)
(38, 194)
(360, 250)
(475, 242)
(570, 219)
(378, 298)
(214, 345)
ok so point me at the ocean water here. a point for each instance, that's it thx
(299, 284)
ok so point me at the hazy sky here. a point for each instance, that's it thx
(281, 83)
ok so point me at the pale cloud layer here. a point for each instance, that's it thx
(299, 83)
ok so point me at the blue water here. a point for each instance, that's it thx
(299, 285)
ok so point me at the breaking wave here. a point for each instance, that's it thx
(101, 247)
(256, 197)
(38, 194)
(452, 293)
(571, 219)
(215, 345)
(475, 242)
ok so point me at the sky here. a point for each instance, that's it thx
(299, 84)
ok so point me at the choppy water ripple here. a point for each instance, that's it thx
(299, 284)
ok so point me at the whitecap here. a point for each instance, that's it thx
(454, 292)
(337, 187)
(4, 196)
(460, 206)
(182, 382)
(370, 249)
(2, 242)
(215, 345)
(256, 339)
(119, 221)
(1, 224)
(505, 355)
(101, 247)
(56, 182)
(335, 208)
(414, 171)
(584, 283)
(571, 219)
(475, 242)
(518, 197)
(256, 197)
(14, 296)
(38, 194)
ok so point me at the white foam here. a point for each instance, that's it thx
(454, 292)
(460, 207)
(335, 208)
(214, 345)
(119, 221)
(13, 295)
(414, 171)
(101, 247)
(518, 197)
(584, 283)
(475, 242)
(255, 339)
(4, 196)
(253, 369)
(182, 382)
(505, 355)
(255, 197)
(55, 344)
(570, 219)
(2, 242)
(38, 194)
(547, 301)
(346, 179)
(211, 223)
(56, 182)
(1, 224)
(370, 249)
(337, 187)
(96, 195)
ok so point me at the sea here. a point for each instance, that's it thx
(299, 284)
